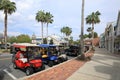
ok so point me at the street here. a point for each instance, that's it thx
(5, 64)
(7, 72)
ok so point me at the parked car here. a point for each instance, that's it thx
(24, 57)
(2, 46)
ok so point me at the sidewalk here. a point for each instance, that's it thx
(103, 66)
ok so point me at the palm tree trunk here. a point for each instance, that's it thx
(82, 28)
(42, 31)
(92, 34)
(47, 29)
(47, 33)
(5, 30)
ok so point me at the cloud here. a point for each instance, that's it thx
(23, 4)
(56, 27)
(27, 5)
(1, 17)
(31, 17)
(37, 24)
(14, 33)
(16, 14)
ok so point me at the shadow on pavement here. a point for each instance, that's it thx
(107, 64)
(78, 58)
(98, 61)
(2, 73)
(109, 70)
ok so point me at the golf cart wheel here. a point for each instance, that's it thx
(67, 53)
(60, 60)
(43, 66)
(50, 63)
(66, 59)
(29, 71)
(77, 54)
(14, 66)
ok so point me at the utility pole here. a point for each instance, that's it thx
(82, 27)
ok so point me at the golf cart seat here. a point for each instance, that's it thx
(44, 56)
(24, 60)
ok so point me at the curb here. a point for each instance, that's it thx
(5, 54)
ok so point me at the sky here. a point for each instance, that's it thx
(65, 12)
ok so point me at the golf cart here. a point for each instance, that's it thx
(48, 54)
(24, 57)
(61, 53)
(72, 51)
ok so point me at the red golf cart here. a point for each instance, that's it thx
(25, 57)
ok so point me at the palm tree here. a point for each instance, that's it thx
(89, 29)
(49, 19)
(62, 30)
(8, 7)
(92, 19)
(40, 17)
(66, 30)
(90, 34)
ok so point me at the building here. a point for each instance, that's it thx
(117, 35)
(57, 40)
(109, 36)
(34, 38)
(89, 41)
(102, 41)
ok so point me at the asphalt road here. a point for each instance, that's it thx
(5, 63)
(7, 72)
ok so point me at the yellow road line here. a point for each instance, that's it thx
(5, 58)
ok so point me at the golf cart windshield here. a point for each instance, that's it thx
(50, 49)
(33, 52)
(30, 51)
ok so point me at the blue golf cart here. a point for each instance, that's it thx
(48, 54)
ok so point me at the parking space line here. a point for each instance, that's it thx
(5, 58)
(12, 76)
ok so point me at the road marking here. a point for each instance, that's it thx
(5, 58)
(12, 76)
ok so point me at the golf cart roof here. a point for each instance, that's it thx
(24, 45)
(46, 45)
